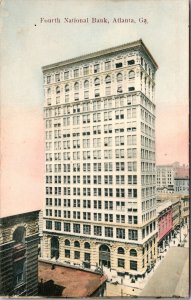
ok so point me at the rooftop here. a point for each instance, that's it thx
(66, 281)
(130, 46)
(171, 279)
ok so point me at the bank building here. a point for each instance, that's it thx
(100, 182)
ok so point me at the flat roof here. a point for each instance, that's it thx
(67, 281)
(171, 278)
(133, 45)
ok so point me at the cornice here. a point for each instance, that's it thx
(136, 45)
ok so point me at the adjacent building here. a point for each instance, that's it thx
(19, 255)
(165, 224)
(100, 202)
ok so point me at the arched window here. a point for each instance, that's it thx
(120, 250)
(48, 91)
(57, 90)
(67, 88)
(76, 86)
(133, 252)
(86, 84)
(76, 244)
(131, 74)
(119, 77)
(97, 81)
(19, 234)
(107, 79)
(67, 243)
(87, 245)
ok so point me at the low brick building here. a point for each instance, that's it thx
(19, 255)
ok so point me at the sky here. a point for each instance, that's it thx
(27, 45)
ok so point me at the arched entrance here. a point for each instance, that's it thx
(54, 247)
(104, 256)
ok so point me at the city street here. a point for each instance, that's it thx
(114, 286)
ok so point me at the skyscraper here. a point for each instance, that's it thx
(100, 203)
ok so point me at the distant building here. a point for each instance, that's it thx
(19, 255)
(185, 210)
(165, 223)
(181, 185)
(165, 178)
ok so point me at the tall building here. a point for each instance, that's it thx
(100, 203)
(19, 255)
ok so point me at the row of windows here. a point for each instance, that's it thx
(86, 83)
(86, 71)
(96, 68)
(97, 230)
(77, 215)
(97, 204)
(107, 166)
(95, 179)
(108, 192)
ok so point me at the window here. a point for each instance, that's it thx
(87, 229)
(130, 89)
(133, 234)
(97, 81)
(86, 70)
(120, 233)
(48, 224)
(57, 90)
(107, 65)
(98, 230)
(66, 75)
(133, 265)
(118, 65)
(67, 227)
(87, 245)
(121, 263)
(67, 88)
(107, 79)
(133, 252)
(130, 62)
(76, 244)
(131, 74)
(96, 68)
(76, 228)
(119, 77)
(76, 73)
(67, 243)
(120, 250)
(86, 84)
(67, 253)
(108, 232)
(76, 86)
(48, 79)
(76, 254)
(87, 257)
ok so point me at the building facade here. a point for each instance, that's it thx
(165, 224)
(181, 185)
(100, 202)
(165, 178)
(19, 255)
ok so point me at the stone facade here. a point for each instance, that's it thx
(19, 255)
(99, 113)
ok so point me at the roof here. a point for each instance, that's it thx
(130, 46)
(70, 282)
(171, 278)
(164, 205)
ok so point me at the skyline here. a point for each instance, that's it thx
(28, 47)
